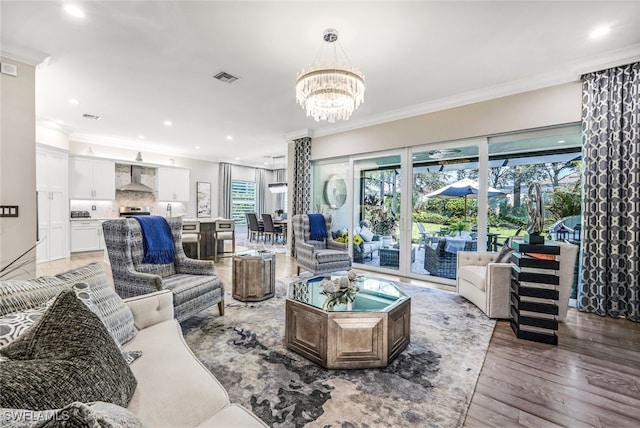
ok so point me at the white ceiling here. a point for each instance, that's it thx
(138, 63)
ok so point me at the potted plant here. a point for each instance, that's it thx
(384, 224)
(458, 227)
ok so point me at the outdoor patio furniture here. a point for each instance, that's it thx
(390, 257)
(442, 263)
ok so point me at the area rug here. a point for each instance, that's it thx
(430, 384)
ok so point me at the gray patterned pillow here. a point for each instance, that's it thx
(68, 355)
(115, 314)
(85, 294)
(20, 295)
(76, 415)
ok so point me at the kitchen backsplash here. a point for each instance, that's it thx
(111, 209)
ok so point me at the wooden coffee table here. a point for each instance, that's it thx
(374, 331)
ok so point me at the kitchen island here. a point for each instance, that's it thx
(213, 232)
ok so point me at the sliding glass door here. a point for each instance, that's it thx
(410, 211)
(445, 218)
(377, 211)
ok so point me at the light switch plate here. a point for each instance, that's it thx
(8, 211)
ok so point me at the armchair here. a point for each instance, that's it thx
(318, 256)
(193, 283)
(486, 283)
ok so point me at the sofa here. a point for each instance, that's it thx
(194, 283)
(173, 388)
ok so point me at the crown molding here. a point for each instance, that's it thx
(26, 56)
(300, 133)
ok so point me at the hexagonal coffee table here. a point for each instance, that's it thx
(371, 333)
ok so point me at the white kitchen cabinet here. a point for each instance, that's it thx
(92, 178)
(173, 185)
(86, 235)
(53, 204)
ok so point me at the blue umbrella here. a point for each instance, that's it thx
(464, 188)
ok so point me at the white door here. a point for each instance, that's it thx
(104, 180)
(80, 178)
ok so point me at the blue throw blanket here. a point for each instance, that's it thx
(157, 240)
(318, 227)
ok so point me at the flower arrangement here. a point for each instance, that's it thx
(357, 241)
(341, 290)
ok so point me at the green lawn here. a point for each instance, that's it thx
(503, 232)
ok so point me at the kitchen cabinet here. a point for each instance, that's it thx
(92, 178)
(52, 204)
(173, 185)
(86, 235)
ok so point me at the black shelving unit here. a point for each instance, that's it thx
(534, 292)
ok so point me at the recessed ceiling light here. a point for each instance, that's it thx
(141, 137)
(229, 137)
(197, 147)
(74, 10)
(599, 32)
(73, 101)
(167, 123)
(560, 141)
(237, 158)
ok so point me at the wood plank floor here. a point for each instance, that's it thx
(592, 378)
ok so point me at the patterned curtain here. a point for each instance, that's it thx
(301, 192)
(261, 189)
(611, 157)
(225, 190)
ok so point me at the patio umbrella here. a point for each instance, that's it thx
(464, 188)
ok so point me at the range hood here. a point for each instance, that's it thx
(136, 184)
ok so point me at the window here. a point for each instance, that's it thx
(243, 200)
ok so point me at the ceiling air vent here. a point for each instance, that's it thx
(225, 77)
(91, 116)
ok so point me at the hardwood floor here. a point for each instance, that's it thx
(592, 378)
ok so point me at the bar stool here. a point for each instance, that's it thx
(191, 234)
(224, 230)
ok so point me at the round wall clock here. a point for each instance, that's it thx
(335, 191)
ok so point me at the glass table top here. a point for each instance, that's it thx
(253, 253)
(375, 294)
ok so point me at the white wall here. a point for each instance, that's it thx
(17, 161)
(555, 105)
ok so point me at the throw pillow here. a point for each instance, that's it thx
(76, 414)
(68, 355)
(115, 314)
(21, 295)
(366, 234)
(14, 325)
(85, 295)
(505, 255)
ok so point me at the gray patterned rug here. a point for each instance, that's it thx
(429, 384)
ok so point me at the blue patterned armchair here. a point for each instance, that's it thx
(318, 257)
(194, 283)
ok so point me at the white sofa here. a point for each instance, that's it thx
(174, 388)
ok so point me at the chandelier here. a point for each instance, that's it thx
(330, 89)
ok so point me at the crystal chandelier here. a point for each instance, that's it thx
(330, 89)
